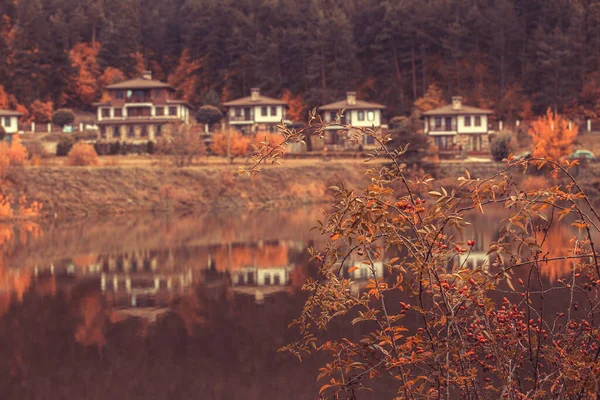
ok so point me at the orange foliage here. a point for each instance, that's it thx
(433, 98)
(41, 111)
(273, 139)
(17, 153)
(109, 76)
(186, 78)
(239, 145)
(551, 136)
(297, 109)
(82, 154)
(84, 87)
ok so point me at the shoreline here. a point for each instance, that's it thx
(80, 192)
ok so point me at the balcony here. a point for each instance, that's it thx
(443, 128)
(242, 118)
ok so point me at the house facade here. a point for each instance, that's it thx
(10, 121)
(358, 113)
(255, 113)
(457, 127)
(140, 109)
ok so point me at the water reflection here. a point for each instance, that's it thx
(186, 307)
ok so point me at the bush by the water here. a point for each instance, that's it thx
(502, 145)
(123, 148)
(82, 154)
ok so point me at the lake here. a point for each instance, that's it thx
(169, 307)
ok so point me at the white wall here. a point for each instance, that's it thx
(366, 123)
(472, 129)
(258, 117)
(12, 126)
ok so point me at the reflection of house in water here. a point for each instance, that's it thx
(260, 269)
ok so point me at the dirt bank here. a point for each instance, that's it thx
(78, 191)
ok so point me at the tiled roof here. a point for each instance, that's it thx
(359, 105)
(261, 101)
(9, 113)
(447, 110)
(140, 83)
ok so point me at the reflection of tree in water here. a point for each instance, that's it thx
(231, 354)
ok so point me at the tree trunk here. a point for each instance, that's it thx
(414, 71)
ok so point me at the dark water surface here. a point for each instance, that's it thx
(162, 307)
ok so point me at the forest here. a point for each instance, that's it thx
(518, 57)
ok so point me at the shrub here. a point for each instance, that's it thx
(64, 145)
(63, 117)
(239, 145)
(41, 111)
(502, 145)
(182, 145)
(82, 154)
(36, 150)
(17, 153)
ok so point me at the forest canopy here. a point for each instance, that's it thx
(518, 57)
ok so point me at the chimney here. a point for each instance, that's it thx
(147, 75)
(456, 103)
(351, 98)
(254, 94)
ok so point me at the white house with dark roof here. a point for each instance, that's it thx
(139, 109)
(358, 113)
(10, 120)
(255, 112)
(457, 127)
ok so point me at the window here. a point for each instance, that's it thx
(129, 94)
(371, 115)
(160, 111)
(467, 121)
(103, 132)
(263, 111)
(7, 122)
(120, 94)
(118, 112)
(478, 121)
(273, 111)
(172, 110)
(117, 132)
(361, 115)
(158, 132)
(144, 132)
(156, 92)
(267, 279)
(438, 122)
(131, 132)
(238, 112)
(106, 112)
(333, 116)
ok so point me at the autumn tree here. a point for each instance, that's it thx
(230, 144)
(82, 154)
(433, 98)
(552, 136)
(41, 111)
(84, 87)
(182, 144)
(297, 109)
(444, 314)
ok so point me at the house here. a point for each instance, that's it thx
(457, 127)
(255, 113)
(10, 121)
(139, 109)
(358, 113)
